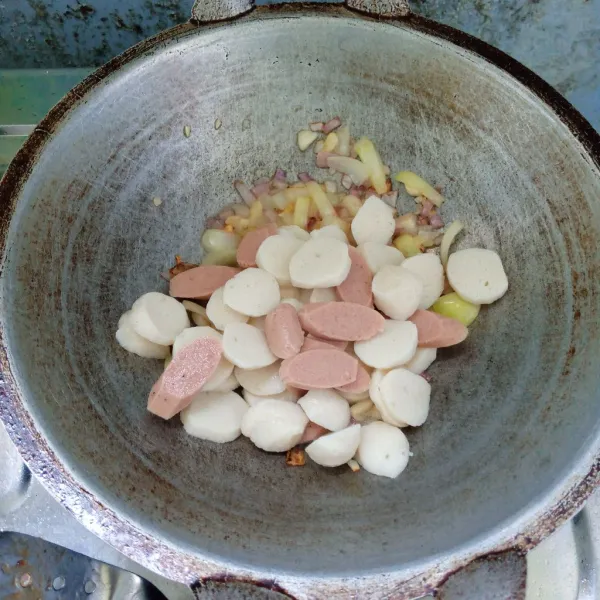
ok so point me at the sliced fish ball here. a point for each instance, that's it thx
(295, 231)
(215, 416)
(405, 396)
(421, 361)
(377, 399)
(258, 322)
(289, 292)
(136, 344)
(354, 397)
(288, 395)
(253, 292)
(274, 426)
(374, 222)
(295, 303)
(158, 318)
(320, 263)
(477, 275)
(262, 382)
(393, 347)
(197, 313)
(189, 334)
(383, 449)
(230, 384)
(379, 255)
(326, 408)
(246, 346)
(323, 295)
(397, 292)
(335, 449)
(274, 256)
(332, 231)
(428, 268)
(220, 314)
(125, 320)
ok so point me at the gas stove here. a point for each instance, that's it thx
(563, 567)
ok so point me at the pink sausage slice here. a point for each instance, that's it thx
(346, 321)
(246, 252)
(357, 286)
(319, 369)
(200, 282)
(313, 343)
(312, 432)
(184, 377)
(360, 384)
(437, 331)
(284, 333)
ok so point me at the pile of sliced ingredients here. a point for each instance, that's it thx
(315, 313)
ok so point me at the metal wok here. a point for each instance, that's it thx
(512, 443)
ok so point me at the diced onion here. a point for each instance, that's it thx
(320, 199)
(225, 257)
(343, 145)
(409, 245)
(352, 204)
(306, 138)
(244, 191)
(370, 157)
(301, 212)
(357, 171)
(417, 186)
(217, 239)
(331, 141)
(449, 235)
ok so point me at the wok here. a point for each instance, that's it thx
(511, 446)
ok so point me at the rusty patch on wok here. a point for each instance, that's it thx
(103, 520)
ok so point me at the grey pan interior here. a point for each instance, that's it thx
(514, 409)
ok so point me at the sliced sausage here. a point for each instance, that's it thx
(250, 243)
(313, 343)
(284, 332)
(184, 377)
(312, 432)
(357, 286)
(319, 369)
(437, 331)
(200, 282)
(360, 384)
(345, 321)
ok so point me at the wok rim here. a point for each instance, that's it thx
(154, 553)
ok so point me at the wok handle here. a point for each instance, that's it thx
(206, 11)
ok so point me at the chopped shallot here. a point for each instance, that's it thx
(316, 126)
(244, 191)
(323, 158)
(436, 221)
(332, 124)
(304, 177)
(280, 175)
(262, 188)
